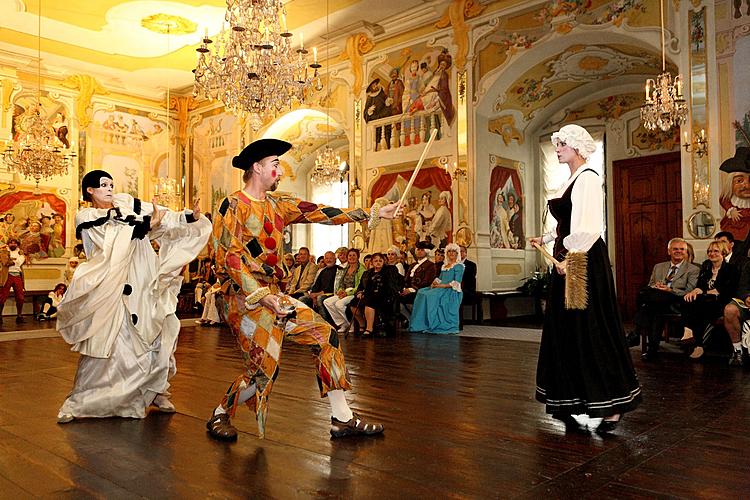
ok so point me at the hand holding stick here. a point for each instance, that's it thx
(546, 254)
(433, 134)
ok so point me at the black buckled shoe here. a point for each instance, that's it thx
(354, 427)
(219, 427)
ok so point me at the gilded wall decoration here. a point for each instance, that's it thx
(216, 140)
(182, 105)
(356, 46)
(455, 15)
(655, 140)
(699, 112)
(87, 86)
(505, 127)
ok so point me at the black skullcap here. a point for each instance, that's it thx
(740, 162)
(91, 180)
(425, 245)
(258, 150)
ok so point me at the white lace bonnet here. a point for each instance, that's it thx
(577, 138)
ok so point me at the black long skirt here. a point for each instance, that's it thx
(584, 362)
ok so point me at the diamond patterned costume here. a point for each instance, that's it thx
(246, 242)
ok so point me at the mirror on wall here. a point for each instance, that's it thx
(701, 224)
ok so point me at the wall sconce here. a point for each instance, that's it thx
(454, 171)
(699, 145)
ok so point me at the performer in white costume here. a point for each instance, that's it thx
(119, 311)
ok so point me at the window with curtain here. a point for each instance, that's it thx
(554, 175)
(323, 237)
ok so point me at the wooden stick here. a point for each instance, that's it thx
(433, 134)
(546, 254)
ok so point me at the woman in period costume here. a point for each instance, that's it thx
(584, 363)
(436, 308)
(119, 311)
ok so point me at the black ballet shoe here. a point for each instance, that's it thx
(571, 424)
(607, 426)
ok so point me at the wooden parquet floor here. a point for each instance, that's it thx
(460, 418)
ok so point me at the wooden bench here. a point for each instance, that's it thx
(496, 298)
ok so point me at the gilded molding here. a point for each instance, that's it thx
(456, 15)
(182, 105)
(356, 46)
(87, 86)
(505, 127)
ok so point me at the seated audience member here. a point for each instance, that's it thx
(303, 275)
(287, 265)
(367, 261)
(669, 282)
(717, 284)
(393, 255)
(469, 283)
(347, 281)
(436, 307)
(70, 269)
(323, 286)
(690, 253)
(735, 258)
(421, 275)
(210, 314)
(439, 258)
(736, 314)
(376, 293)
(49, 306)
(341, 253)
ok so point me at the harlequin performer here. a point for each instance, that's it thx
(119, 311)
(246, 243)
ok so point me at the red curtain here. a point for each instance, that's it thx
(427, 177)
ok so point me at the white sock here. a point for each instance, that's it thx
(339, 407)
(247, 393)
(737, 346)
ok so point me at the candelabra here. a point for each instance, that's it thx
(699, 144)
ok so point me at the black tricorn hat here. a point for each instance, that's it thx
(740, 162)
(425, 245)
(256, 151)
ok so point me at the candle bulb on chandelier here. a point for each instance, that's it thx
(315, 55)
(301, 42)
(648, 90)
(283, 22)
(685, 135)
(703, 134)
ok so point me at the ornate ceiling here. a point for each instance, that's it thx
(143, 46)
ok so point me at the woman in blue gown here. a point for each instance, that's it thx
(436, 308)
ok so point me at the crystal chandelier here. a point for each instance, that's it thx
(167, 191)
(665, 106)
(328, 166)
(38, 154)
(251, 67)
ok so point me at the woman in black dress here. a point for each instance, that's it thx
(584, 364)
(377, 291)
(717, 284)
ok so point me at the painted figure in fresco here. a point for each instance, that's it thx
(137, 130)
(246, 244)
(500, 226)
(410, 96)
(395, 92)
(31, 241)
(437, 95)
(8, 228)
(56, 246)
(426, 213)
(515, 222)
(46, 232)
(735, 194)
(376, 108)
(381, 238)
(412, 222)
(440, 227)
(61, 129)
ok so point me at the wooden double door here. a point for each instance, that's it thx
(648, 213)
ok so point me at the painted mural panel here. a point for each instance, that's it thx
(506, 208)
(415, 85)
(427, 214)
(36, 220)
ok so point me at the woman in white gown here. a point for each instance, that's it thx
(119, 311)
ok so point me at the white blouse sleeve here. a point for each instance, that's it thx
(586, 218)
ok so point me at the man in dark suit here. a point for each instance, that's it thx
(469, 281)
(421, 274)
(737, 259)
(669, 282)
(322, 288)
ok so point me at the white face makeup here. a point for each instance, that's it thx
(101, 197)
